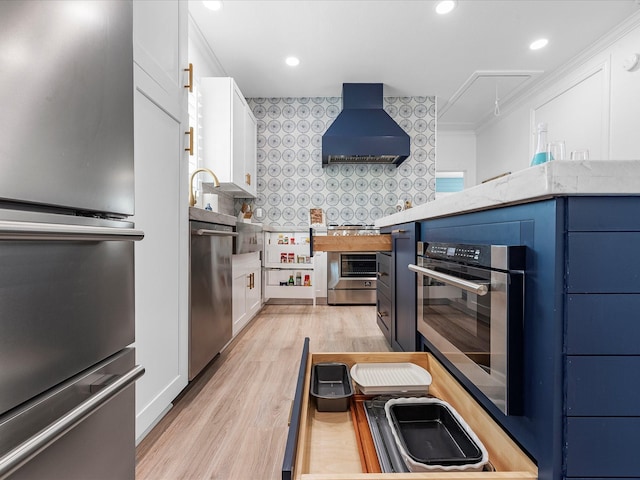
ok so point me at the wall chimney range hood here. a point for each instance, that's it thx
(363, 132)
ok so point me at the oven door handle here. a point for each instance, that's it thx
(477, 288)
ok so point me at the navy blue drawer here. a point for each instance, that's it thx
(384, 272)
(383, 304)
(603, 324)
(603, 262)
(603, 213)
(603, 386)
(603, 447)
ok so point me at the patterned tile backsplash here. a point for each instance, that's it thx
(291, 178)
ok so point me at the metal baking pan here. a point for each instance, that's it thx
(331, 386)
(431, 435)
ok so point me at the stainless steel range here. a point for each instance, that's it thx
(351, 276)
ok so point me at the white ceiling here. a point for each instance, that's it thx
(462, 58)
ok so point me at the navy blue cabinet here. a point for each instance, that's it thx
(402, 287)
(581, 413)
(602, 337)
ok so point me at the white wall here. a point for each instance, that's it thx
(456, 152)
(594, 103)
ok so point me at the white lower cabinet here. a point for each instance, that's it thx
(247, 289)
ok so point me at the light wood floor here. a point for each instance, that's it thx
(231, 422)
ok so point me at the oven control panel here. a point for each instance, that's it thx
(489, 256)
(472, 254)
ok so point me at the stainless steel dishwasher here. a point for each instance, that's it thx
(210, 314)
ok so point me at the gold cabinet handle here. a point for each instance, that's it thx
(253, 281)
(190, 148)
(247, 178)
(190, 84)
(382, 314)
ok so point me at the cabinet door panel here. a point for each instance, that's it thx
(602, 447)
(239, 295)
(158, 53)
(250, 152)
(602, 214)
(383, 314)
(384, 273)
(160, 317)
(602, 386)
(404, 253)
(238, 147)
(603, 324)
(612, 270)
(162, 281)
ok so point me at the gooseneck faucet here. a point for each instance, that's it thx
(192, 197)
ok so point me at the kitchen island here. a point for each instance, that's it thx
(580, 225)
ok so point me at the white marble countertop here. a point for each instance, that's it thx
(211, 217)
(553, 179)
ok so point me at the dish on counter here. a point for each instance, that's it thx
(432, 436)
(390, 378)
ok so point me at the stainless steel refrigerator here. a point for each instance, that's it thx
(67, 370)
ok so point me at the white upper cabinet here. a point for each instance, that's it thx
(229, 136)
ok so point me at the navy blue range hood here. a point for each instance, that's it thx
(363, 132)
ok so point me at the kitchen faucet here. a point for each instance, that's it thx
(192, 197)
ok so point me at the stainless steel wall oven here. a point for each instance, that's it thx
(470, 303)
(351, 278)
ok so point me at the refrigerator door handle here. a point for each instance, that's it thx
(28, 449)
(51, 231)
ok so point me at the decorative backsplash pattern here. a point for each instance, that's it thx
(291, 179)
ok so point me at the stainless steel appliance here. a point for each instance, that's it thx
(351, 276)
(470, 312)
(67, 401)
(210, 312)
(249, 238)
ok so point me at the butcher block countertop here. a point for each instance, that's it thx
(552, 179)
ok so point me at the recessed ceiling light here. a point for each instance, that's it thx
(538, 44)
(445, 6)
(292, 61)
(213, 4)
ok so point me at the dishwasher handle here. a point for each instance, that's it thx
(214, 233)
(28, 449)
(477, 288)
(64, 232)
